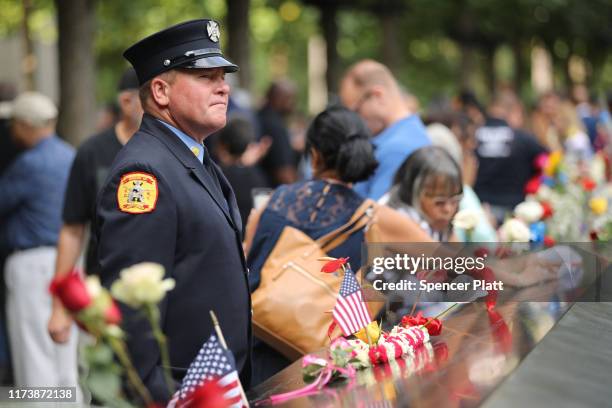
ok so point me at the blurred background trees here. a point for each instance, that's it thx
(435, 47)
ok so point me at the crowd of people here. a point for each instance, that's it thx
(371, 145)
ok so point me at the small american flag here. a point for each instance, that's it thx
(351, 312)
(213, 363)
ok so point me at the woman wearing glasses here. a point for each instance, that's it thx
(428, 188)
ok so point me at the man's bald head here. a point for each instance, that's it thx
(370, 89)
(367, 73)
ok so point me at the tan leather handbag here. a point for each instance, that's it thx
(292, 305)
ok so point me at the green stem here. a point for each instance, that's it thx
(120, 350)
(153, 315)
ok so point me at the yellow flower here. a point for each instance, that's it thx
(599, 205)
(552, 165)
(142, 284)
(373, 331)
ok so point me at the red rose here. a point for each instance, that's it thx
(71, 291)
(549, 241)
(588, 184)
(547, 210)
(112, 315)
(481, 252)
(409, 321)
(333, 266)
(594, 236)
(434, 326)
(532, 185)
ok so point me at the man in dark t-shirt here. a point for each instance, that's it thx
(279, 163)
(234, 139)
(505, 157)
(89, 170)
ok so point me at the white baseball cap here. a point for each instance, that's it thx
(34, 109)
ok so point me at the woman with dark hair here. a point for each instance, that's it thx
(341, 154)
(428, 188)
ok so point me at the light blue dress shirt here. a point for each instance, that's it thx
(194, 146)
(392, 146)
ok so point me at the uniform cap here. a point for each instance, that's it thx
(192, 44)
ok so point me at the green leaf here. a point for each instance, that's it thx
(105, 386)
(98, 355)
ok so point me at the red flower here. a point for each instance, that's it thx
(481, 252)
(548, 210)
(588, 184)
(533, 185)
(112, 315)
(434, 326)
(549, 241)
(593, 235)
(333, 266)
(409, 321)
(71, 291)
(540, 161)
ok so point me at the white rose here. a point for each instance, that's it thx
(93, 286)
(142, 284)
(514, 230)
(529, 211)
(467, 219)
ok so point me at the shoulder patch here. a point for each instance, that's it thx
(137, 193)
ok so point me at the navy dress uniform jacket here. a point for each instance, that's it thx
(194, 236)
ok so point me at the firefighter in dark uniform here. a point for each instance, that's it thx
(166, 201)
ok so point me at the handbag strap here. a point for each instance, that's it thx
(362, 216)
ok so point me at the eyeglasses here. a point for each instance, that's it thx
(443, 201)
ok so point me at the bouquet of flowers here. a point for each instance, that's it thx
(94, 309)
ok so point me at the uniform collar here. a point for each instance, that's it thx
(196, 148)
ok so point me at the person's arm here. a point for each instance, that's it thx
(13, 188)
(69, 248)
(126, 238)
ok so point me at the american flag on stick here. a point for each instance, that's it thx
(213, 363)
(351, 312)
(212, 377)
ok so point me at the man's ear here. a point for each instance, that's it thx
(160, 91)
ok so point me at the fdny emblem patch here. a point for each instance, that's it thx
(137, 193)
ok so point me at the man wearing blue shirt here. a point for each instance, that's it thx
(31, 197)
(370, 89)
